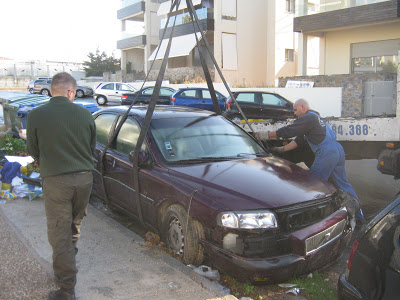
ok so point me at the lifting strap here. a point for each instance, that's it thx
(147, 120)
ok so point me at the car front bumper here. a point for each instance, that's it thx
(280, 268)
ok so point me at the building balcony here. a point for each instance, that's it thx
(129, 41)
(184, 24)
(132, 10)
(313, 15)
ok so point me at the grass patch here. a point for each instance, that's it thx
(315, 288)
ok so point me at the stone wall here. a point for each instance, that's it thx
(352, 87)
(183, 75)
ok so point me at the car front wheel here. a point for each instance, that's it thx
(79, 94)
(101, 100)
(181, 240)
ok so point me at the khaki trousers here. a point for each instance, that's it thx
(66, 200)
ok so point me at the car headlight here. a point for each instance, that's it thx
(264, 219)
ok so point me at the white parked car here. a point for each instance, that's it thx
(31, 84)
(111, 92)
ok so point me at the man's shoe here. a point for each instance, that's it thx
(62, 294)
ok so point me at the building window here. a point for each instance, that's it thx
(289, 54)
(229, 10)
(376, 56)
(229, 51)
(386, 63)
(290, 6)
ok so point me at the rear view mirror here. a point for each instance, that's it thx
(143, 159)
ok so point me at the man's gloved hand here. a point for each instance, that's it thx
(278, 149)
(262, 135)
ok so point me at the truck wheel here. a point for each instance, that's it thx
(101, 100)
(185, 244)
(79, 94)
(45, 92)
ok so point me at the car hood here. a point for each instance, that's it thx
(259, 183)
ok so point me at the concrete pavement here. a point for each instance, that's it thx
(113, 262)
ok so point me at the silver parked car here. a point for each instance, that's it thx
(43, 87)
(31, 84)
(111, 92)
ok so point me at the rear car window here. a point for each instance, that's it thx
(166, 92)
(246, 97)
(123, 87)
(270, 99)
(103, 126)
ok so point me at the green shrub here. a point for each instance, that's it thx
(12, 146)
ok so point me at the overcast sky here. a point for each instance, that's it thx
(62, 30)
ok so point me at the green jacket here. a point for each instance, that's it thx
(62, 137)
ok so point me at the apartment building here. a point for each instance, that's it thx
(347, 36)
(252, 44)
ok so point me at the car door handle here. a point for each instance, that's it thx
(203, 101)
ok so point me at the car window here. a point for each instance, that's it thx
(109, 86)
(166, 92)
(123, 87)
(246, 97)
(188, 93)
(207, 95)
(194, 138)
(271, 99)
(103, 126)
(128, 136)
(148, 91)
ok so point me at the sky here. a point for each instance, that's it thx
(58, 30)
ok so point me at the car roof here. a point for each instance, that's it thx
(160, 111)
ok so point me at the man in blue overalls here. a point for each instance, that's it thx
(329, 154)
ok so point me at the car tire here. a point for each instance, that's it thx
(140, 103)
(182, 242)
(79, 94)
(31, 90)
(101, 100)
(236, 118)
(45, 92)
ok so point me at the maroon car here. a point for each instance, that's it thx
(208, 187)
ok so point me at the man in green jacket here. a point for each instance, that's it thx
(61, 136)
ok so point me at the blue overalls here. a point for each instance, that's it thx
(329, 162)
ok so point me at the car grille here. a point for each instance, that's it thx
(321, 239)
(296, 217)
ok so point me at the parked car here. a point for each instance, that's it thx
(145, 96)
(198, 98)
(259, 105)
(111, 92)
(207, 185)
(373, 268)
(31, 84)
(43, 87)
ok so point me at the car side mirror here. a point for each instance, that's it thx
(143, 159)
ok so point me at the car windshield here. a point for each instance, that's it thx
(201, 139)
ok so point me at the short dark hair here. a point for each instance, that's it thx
(63, 81)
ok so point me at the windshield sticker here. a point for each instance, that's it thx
(169, 148)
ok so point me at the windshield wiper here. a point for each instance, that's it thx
(256, 154)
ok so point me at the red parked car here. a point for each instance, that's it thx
(208, 187)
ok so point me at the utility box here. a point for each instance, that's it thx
(12, 104)
(23, 112)
(380, 98)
